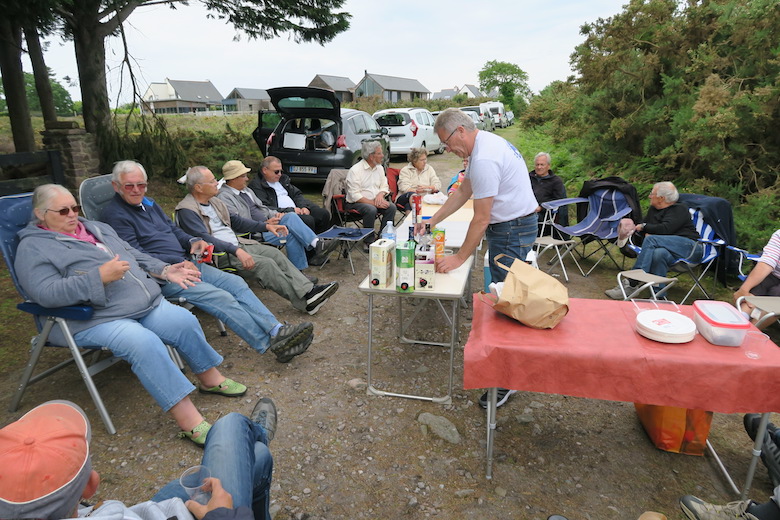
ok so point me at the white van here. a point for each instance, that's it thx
(497, 112)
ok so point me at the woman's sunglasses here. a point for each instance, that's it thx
(66, 211)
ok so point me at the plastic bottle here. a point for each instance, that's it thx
(389, 231)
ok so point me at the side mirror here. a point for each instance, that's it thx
(384, 130)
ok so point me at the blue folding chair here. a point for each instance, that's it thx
(711, 248)
(605, 209)
(15, 213)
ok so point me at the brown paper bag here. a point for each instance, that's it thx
(530, 296)
(679, 430)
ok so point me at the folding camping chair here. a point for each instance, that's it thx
(710, 249)
(15, 212)
(392, 183)
(334, 199)
(94, 194)
(544, 242)
(605, 209)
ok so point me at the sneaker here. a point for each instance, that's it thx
(322, 250)
(616, 293)
(318, 295)
(751, 420)
(697, 509)
(264, 414)
(292, 340)
(502, 394)
(228, 388)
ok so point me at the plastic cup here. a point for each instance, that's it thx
(754, 342)
(192, 481)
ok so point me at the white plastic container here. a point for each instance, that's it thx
(720, 323)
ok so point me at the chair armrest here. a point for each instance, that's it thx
(555, 204)
(72, 312)
(715, 242)
(617, 216)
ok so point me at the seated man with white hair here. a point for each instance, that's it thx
(367, 188)
(669, 234)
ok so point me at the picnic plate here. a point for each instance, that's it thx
(665, 326)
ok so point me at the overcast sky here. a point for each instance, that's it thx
(441, 44)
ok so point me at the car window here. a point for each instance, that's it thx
(392, 119)
(429, 117)
(358, 124)
(419, 118)
(309, 102)
(372, 126)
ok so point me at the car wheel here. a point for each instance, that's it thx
(440, 149)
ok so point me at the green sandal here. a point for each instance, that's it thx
(197, 434)
(228, 388)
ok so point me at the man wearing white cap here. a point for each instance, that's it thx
(46, 469)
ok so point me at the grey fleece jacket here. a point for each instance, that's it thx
(56, 270)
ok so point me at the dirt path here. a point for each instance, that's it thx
(340, 454)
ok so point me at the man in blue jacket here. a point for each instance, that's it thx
(141, 222)
(46, 469)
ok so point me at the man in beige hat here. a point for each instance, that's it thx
(204, 215)
(280, 228)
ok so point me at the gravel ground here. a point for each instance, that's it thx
(340, 453)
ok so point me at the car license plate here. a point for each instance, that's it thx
(303, 169)
(394, 138)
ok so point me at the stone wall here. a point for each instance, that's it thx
(78, 149)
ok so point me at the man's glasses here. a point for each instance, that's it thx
(64, 212)
(277, 172)
(130, 186)
(450, 137)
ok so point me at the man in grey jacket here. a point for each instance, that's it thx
(203, 215)
(46, 469)
(303, 246)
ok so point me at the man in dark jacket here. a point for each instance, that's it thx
(46, 468)
(274, 190)
(669, 234)
(547, 186)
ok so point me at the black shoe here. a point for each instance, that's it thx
(318, 295)
(751, 421)
(292, 340)
(502, 394)
(322, 250)
(264, 414)
(311, 278)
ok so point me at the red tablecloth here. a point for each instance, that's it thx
(595, 352)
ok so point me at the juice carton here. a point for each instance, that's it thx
(404, 267)
(382, 263)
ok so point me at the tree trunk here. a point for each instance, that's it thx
(89, 43)
(41, 73)
(13, 85)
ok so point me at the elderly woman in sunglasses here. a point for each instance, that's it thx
(65, 260)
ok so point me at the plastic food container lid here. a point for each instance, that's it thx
(720, 314)
(665, 326)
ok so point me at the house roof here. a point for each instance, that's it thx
(473, 89)
(447, 93)
(399, 84)
(336, 83)
(248, 93)
(201, 91)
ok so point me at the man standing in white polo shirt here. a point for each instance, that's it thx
(504, 202)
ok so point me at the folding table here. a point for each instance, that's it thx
(349, 237)
(620, 365)
(449, 287)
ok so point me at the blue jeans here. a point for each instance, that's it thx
(661, 251)
(229, 298)
(514, 238)
(299, 239)
(237, 454)
(142, 342)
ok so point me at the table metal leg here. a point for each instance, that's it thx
(491, 429)
(756, 452)
(446, 399)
